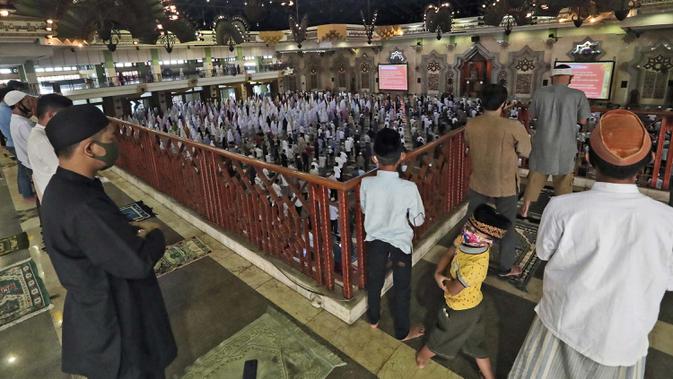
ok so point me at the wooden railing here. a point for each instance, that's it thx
(662, 167)
(238, 195)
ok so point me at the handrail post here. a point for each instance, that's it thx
(344, 223)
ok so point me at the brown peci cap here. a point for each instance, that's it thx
(620, 138)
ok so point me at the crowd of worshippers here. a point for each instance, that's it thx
(317, 132)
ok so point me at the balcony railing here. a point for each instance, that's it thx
(292, 222)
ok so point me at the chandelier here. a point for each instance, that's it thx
(510, 13)
(370, 26)
(111, 37)
(231, 31)
(298, 28)
(166, 38)
(438, 19)
(622, 8)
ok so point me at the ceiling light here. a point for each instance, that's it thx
(6, 10)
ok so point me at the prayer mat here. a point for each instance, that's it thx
(537, 207)
(181, 254)
(23, 293)
(137, 211)
(281, 348)
(14, 243)
(526, 234)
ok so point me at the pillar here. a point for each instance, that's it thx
(113, 106)
(110, 71)
(28, 75)
(239, 58)
(208, 62)
(100, 75)
(156, 66)
(160, 100)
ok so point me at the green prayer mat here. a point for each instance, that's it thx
(22, 293)
(180, 254)
(282, 350)
(13, 243)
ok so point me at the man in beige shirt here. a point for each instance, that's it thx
(495, 144)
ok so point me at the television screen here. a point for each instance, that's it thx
(592, 78)
(393, 77)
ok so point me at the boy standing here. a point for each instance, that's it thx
(495, 145)
(459, 325)
(391, 206)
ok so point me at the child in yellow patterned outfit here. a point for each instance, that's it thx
(459, 324)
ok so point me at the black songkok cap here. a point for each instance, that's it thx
(75, 124)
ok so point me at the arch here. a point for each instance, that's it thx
(434, 68)
(526, 68)
(476, 52)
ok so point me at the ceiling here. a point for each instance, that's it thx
(272, 15)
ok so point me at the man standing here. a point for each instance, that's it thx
(495, 145)
(6, 115)
(610, 261)
(558, 109)
(23, 108)
(115, 323)
(41, 154)
(5, 119)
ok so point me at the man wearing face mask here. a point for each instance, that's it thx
(115, 323)
(20, 125)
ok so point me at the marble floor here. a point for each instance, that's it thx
(215, 297)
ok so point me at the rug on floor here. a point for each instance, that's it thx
(281, 348)
(137, 211)
(180, 254)
(537, 207)
(23, 293)
(13, 243)
(526, 234)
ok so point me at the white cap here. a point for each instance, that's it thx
(14, 97)
(562, 71)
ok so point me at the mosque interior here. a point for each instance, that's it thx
(218, 106)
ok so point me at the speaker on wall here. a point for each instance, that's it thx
(418, 80)
(624, 84)
(545, 83)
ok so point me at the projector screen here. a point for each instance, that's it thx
(592, 78)
(393, 77)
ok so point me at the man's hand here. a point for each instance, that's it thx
(440, 279)
(145, 227)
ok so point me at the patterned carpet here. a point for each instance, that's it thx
(526, 234)
(13, 243)
(23, 293)
(137, 211)
(181, 254)
(281, 350)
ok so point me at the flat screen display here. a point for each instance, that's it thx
(393, 77)
(592, 78)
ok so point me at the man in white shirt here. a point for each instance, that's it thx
(610, 261)
(41, 155)
(23, 108)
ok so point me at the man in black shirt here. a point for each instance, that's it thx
(115, 323)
